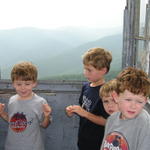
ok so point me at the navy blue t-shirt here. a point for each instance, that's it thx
(90, 135)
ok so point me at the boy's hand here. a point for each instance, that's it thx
(69, 111)
(2, 107)
(46, 110)
(47, 116)
(79, 110)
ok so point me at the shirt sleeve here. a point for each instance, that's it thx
(144, 137)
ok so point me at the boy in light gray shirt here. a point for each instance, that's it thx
(27, 112)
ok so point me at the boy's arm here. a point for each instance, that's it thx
(3, 114)
(47, 116)
(99, 120)
(47, 120)
(95, 119)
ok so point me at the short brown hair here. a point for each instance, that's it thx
(134, 80)
(24, 71)
(107, 88)
(98, 57)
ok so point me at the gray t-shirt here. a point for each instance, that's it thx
(131, 134)
(25, 116)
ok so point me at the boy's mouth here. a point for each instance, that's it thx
(111, 111)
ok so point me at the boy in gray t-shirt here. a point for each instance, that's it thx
(27, 112)
(129, 129)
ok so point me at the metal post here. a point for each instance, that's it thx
(131, 30)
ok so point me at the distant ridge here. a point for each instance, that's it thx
(55, 52)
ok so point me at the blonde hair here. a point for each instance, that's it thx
(24, 71)
(98, 57)
(133, 80)
(108, 88)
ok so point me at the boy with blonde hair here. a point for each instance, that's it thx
(106, 93)
(92, 115)
(129, 128)
(27, 112)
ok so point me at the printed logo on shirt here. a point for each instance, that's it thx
(86, 103)
(115, 141)
(18, 122)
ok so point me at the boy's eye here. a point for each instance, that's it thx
(140, 102)
(136, 101)
(129, 100)
(18, 83)
(27, 83)
(87, 69)
(105, 102)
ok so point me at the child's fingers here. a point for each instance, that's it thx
(2, 106)
(69, 107)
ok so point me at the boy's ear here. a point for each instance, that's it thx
(115, 96)
(104, 70)
(35, 84)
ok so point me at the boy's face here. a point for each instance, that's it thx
(130, 105)
(24, 88)
(93, 74)
(110, 105)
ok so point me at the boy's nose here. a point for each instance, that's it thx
(110, 104)
(85, 74)
(133, 104)
(22, 87)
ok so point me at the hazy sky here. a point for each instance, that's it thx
(56, 13)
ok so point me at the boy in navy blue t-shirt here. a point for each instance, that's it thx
(96, 63)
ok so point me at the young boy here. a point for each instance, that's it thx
(106, 92)
(96, 63)
(27, 112)
(129, 128)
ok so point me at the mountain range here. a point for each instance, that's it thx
(56, 51)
